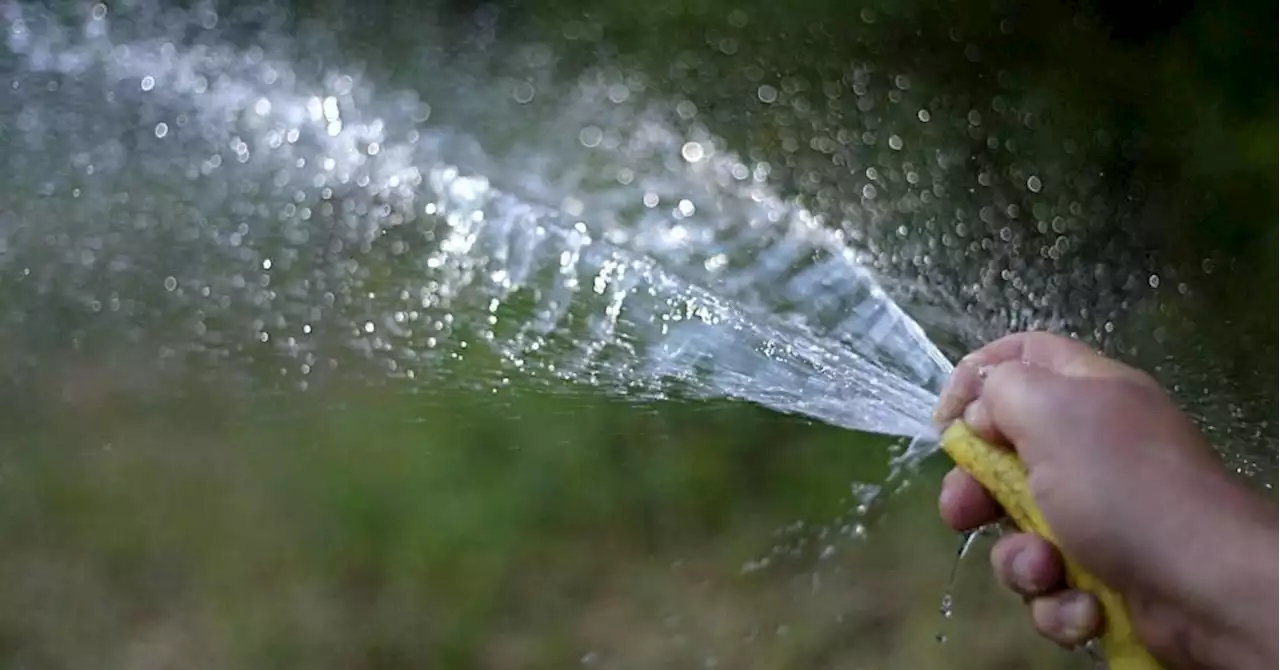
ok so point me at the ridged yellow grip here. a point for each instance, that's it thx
(1003, 474)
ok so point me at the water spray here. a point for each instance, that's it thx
(409, 245)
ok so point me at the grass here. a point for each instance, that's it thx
(371, 528)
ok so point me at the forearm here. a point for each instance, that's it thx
(1238, 594)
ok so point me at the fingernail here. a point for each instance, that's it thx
(946, 497)
(959, 390)
(946, 408)
(975, 415)
(1023, 567)
(1077, 617)
(942, 413)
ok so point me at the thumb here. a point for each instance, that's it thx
(1019, 405)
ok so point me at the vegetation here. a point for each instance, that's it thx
(393, 529)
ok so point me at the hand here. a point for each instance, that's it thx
(1132, 491)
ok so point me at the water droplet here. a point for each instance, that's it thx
(590, 137)
(523, 92)
(691, 152)
(618, 93)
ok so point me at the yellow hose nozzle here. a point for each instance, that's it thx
(1004, 475)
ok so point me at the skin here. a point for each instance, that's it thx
(1134, 493)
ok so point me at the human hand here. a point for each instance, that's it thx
(1132, 491)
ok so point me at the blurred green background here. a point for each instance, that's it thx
(381, 529)
(183, 522)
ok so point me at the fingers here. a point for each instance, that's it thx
(964, 504)
(1070, 618)
(1062, 355)
(981, 422)
(1018, 390)
(962, 389)
(1027, 564)
(1056, 352)
(1031, 567)
(1022, 405)
(1053, 352)
(1002, 401)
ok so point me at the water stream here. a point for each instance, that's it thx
(283, 213)
(175, 186)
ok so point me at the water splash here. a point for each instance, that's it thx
(182, 187)
(291, 214)
(632, 326)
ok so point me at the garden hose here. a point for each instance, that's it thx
(1004, 475)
